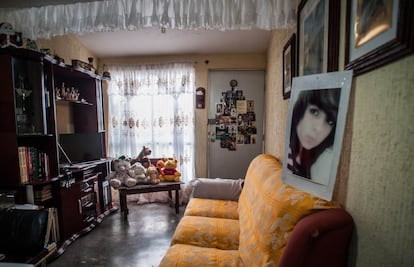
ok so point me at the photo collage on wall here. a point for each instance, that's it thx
(235, 119)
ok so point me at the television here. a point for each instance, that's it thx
(81, 147)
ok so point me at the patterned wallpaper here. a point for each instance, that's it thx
(375, 175)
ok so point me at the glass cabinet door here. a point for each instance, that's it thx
(29, 97)
(99, 106)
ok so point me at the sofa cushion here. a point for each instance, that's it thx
(189, 256)
(207, 232)
(218, 188)
(214, 208)
(269, 210)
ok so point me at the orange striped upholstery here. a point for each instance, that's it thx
(189, 256)
(215, 208)
(207, 232)
(268, 212)
(252, 232)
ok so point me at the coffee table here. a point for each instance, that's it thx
(147, 188)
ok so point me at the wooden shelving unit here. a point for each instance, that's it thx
(34, 119)
(63, 101)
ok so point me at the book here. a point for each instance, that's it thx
(24, 178)
(44, 193)
(34, 164)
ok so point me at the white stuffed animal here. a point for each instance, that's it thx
(139, 173)
(122, 175)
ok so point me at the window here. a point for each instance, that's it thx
(153, 106)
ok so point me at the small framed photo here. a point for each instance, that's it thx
(314, 132)
(289, 68)
(378, 32)
(318, 36)
(219, 108)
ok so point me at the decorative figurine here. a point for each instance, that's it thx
(9, 37)
(57, 94)
(63, 91)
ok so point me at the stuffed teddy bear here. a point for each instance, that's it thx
(153, 175)
(122, 174)
(139, 173)
(169, 171)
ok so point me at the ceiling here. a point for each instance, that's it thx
(151, 41)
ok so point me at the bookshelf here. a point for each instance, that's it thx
(28, 135)
(42, 101)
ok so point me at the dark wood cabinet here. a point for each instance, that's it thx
(82, 198)
(53, 138)
(27, 132)
(80, 95)
(69, 216)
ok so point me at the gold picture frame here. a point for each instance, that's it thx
(289, 65)
(378, 32)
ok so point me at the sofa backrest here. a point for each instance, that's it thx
(269, 210)
(320, 239)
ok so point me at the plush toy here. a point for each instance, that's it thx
(139, 173)
(146, 162)
(169, 171)
(159, 165)
(153, 175)
(143, 157)
(144, 152)
(122, 174)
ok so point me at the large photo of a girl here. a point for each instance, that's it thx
(312, 134)
(316, 121)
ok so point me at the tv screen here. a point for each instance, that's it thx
(81, 147)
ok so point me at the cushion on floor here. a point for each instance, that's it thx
(207, 232)
(212, 208)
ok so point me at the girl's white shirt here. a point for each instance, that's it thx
(321, 169)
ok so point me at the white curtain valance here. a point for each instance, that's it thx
(151, 79)
(114, 15)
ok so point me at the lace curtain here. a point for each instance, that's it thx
(113, 15)
(153, 105)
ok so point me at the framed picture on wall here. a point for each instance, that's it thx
(314, 132)
(289, 68)
(378, 32)
(318, 36)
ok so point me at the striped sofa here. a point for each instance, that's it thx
(268, 223)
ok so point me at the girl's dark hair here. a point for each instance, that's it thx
(326, 100)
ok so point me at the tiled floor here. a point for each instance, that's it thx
(139, 241)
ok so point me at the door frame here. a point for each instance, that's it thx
(208, 105)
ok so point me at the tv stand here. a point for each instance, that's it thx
(82, 165)
(83, 196)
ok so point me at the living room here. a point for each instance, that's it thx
(374, 173)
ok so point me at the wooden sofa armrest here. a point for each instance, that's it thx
(320, 239)
(218, 188)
